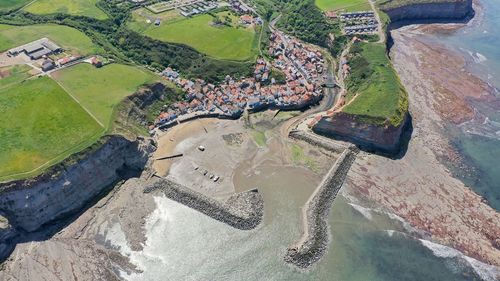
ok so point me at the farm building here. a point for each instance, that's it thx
(48, 65)
(36, 49)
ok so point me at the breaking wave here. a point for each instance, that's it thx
(485, 271)
(366, 212)
(476, 57)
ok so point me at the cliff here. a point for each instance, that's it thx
(70, 185)
(374, 138)
(427, 10)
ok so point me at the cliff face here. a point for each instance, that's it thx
(428, 11)
(383, 139)
(66, 188)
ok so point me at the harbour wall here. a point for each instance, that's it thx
(314, 241)
(315, 140)
(243, 211)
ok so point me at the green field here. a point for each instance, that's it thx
(12, 4)
(11, 75)
(138, 21)
(99, 90)
(86, 8)
(222, 42)
(66, 37)
(343, 5)
(44, 126)
(378, 94)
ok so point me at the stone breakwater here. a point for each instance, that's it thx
(315, 140)
(314, 241)
(242, 211)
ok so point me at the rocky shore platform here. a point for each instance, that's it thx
(419, 187)
(314, 241)
(242, 210)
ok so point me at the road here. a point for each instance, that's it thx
(328, 100)
(381, 33)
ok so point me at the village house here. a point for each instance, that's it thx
(300, 64)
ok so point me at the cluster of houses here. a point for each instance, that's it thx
(249, 19)
(363, 22)
(186, 7)
(301, 65)
(357, 15)
(239, 7)
(297, 60)
(198, 8)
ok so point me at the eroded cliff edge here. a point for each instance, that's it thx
(388, 138)
(370, 137)
(30, 203)
(70, 186)
(406, 12)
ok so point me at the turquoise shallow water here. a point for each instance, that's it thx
(480, 142)
(481, 40)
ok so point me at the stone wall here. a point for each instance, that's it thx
(242, 211)
(315, 140)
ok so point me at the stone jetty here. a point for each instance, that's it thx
(242, 211)
(314, 241)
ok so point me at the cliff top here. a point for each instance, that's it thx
(375, 93)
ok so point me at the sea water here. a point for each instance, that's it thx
(480, 142)
(183, 244)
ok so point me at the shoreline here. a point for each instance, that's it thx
(419, 187)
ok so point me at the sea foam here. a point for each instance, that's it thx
(485, 271)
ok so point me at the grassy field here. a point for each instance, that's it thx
(138, 21)
(66, 37)
(45, 126)
(99, 90)
(378, 94)
(222, 42)
(11, 75)
(12, 4)
(343, 5)
(86, 8)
